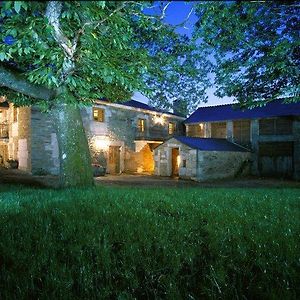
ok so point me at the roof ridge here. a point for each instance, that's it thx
(216, 105)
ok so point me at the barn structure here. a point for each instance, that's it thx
(271, 134)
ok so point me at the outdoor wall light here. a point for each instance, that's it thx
(159, 120)
(101, 143)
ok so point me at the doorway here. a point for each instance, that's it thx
(275, 159)
(175, 162)
(114, 160)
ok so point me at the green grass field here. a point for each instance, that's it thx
(125, 243)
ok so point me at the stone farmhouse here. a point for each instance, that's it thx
(132, 137)
(121, 136)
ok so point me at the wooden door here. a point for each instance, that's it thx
(3, 154)
(276, 159)
(114, 159)
(175, 161)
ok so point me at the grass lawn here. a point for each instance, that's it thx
(125, 243)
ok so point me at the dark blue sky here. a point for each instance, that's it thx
(176, 13)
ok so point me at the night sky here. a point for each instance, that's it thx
(176, 13)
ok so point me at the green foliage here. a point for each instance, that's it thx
(256, 48)
(123, 243)
(118, 50)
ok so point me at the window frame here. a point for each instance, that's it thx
(100, 117)
(171, 129)
(141, 125)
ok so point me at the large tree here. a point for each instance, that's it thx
(60, 55)
(255, 47)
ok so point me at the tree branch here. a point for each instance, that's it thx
(185, 20)
(163, 13)
(53, 12)
(20, 84)
(97, 23)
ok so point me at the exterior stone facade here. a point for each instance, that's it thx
(15, 137)
(256, 137)
(120, 128)
(199, 165)
(116, 143)
(123, 138)
(44, 147)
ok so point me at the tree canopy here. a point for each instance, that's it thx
(255, 47)
(98, 49)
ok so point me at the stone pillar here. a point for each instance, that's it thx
(296, 133)
(207, 128)
(229, 131)
(24, 138)
(254, 138)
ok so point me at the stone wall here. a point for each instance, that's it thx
(139, 162)
(17, 145)
(163, 159)
(221, 164)
(13, 132)
(120, 127)
(44, 147)
(24, 138)
(4, 155)
(200, 165)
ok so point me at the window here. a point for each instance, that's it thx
(241, 132)
(196, 130)
(98, 114)
(218, 130)
(280, 126)
(141, 125)
(171, 128)
(184, 163)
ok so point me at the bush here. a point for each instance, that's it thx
(124, 243)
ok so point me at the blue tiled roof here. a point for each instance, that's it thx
(209, 144)
(137, 104)
(229, 112)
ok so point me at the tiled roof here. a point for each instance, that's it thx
(229, 112)
(210, 144)
(137, 104)
(141, 105)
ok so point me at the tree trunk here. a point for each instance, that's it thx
(75, 160)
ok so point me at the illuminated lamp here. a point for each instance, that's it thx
(159, 120)
(101, 143)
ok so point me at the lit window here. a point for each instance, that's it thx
(98, 114)
(171, 128)
(141, 125)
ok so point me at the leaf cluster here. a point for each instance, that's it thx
(118, 50)
(255, 46)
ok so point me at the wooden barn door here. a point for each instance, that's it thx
(114, 159)
(276, 159)
(175, 167)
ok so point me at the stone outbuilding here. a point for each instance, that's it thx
(200, 158)
(271, 132)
